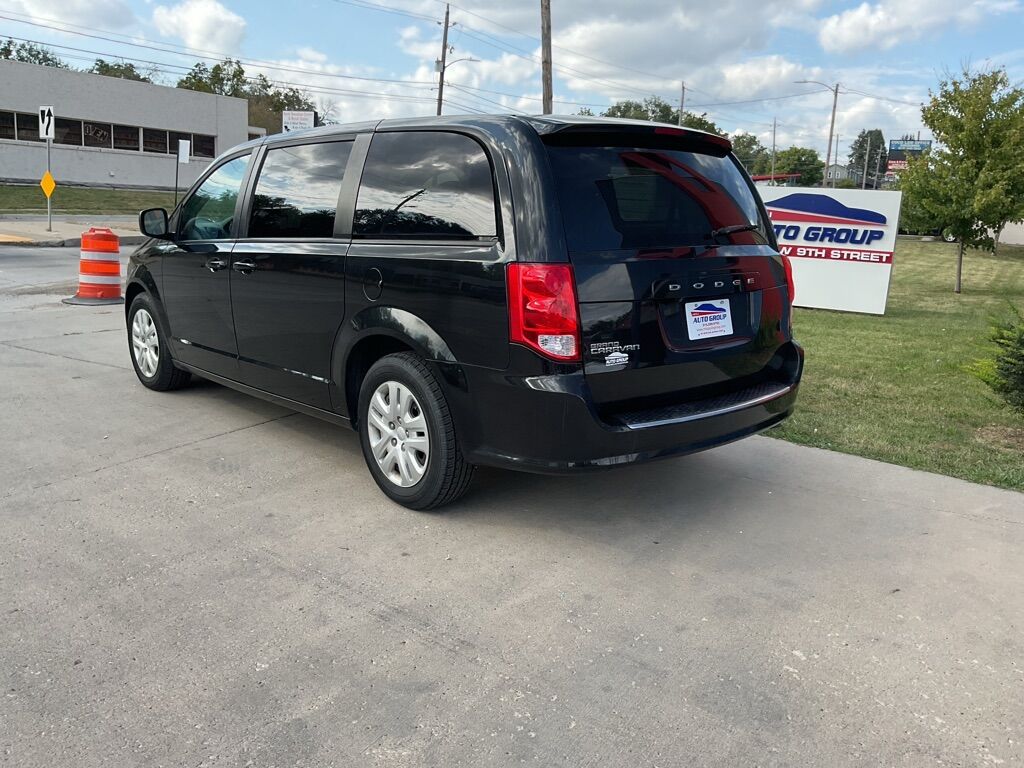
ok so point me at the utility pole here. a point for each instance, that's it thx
(545, 54)
(878, 166)
(772, 182)
(832, 124)
(682, 103)
(835, 161)
(442, 62)
(867, 154)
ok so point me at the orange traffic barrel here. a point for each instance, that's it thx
(99, 269)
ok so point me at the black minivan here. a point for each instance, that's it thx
(537, 293)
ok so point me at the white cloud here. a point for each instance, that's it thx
(101, 14)
(886, 24)
(202, 24)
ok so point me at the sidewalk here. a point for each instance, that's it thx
(67, 230)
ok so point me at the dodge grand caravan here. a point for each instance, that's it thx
(537, 293)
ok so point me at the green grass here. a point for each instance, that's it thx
(81, 200)
(896, 388)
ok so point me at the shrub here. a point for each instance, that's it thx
(1005, 373)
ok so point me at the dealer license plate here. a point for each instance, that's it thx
(708, 318)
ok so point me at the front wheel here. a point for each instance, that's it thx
(408, 436)
(148, 345)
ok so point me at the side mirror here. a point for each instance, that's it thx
(153, 223)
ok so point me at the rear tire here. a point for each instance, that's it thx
(421, 467)
(147, 346)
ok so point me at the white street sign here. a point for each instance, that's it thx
(46, 123)
(292, 120)
(184, 150)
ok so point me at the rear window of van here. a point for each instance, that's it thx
(634, 197)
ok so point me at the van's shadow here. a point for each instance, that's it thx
(679, 491)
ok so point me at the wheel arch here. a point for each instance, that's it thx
(142, 281)
(374, 333)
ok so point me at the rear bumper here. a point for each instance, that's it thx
(548, 423)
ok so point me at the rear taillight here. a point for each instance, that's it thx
(788, 266)
(542, 310)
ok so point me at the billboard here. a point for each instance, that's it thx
(900, 149)
(840, 242)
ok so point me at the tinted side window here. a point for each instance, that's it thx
(297, 191)
(433, 185)
(208, 213)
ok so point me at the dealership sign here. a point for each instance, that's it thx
(840, 242)
(901, 149)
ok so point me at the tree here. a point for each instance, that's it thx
(658, 110)
(225, 79)
(701, 122)
(30, 53)
(972, 184)
(749, 150)
(803, 161)
(652, 108)
(266, 101)
(871, 143)
(122, 69)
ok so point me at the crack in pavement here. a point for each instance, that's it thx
(65, 357)
(147, 455)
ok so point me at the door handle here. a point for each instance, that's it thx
(215, 265)
(245, 267)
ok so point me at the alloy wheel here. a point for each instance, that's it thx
(145, 343)
(397, 428)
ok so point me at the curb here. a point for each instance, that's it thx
(72, 242)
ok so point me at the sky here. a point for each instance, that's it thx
(740, 59)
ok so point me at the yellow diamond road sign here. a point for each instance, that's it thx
(48, 184)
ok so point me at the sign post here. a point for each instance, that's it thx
(47, 130)
(184, 150)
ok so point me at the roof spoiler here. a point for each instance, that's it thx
(652, 135)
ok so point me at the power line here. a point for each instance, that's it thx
(387, 9)
(560, 47)
(216, 56)
(302, 86)
(884, 98)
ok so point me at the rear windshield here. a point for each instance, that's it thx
(634, 197)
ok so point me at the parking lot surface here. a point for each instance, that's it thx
(199, 578)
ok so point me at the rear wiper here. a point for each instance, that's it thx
(732, 228)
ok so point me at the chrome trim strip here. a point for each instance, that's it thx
(785, 389)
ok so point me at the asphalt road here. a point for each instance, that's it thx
(203, 579)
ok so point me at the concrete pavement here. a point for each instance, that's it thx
(200, 578)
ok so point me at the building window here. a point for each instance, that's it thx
(174, 137)
(203, 146)
(6, 125)
(28, 127)
(67, 131)
(154, 140)
(126, 137)
(97, 134)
